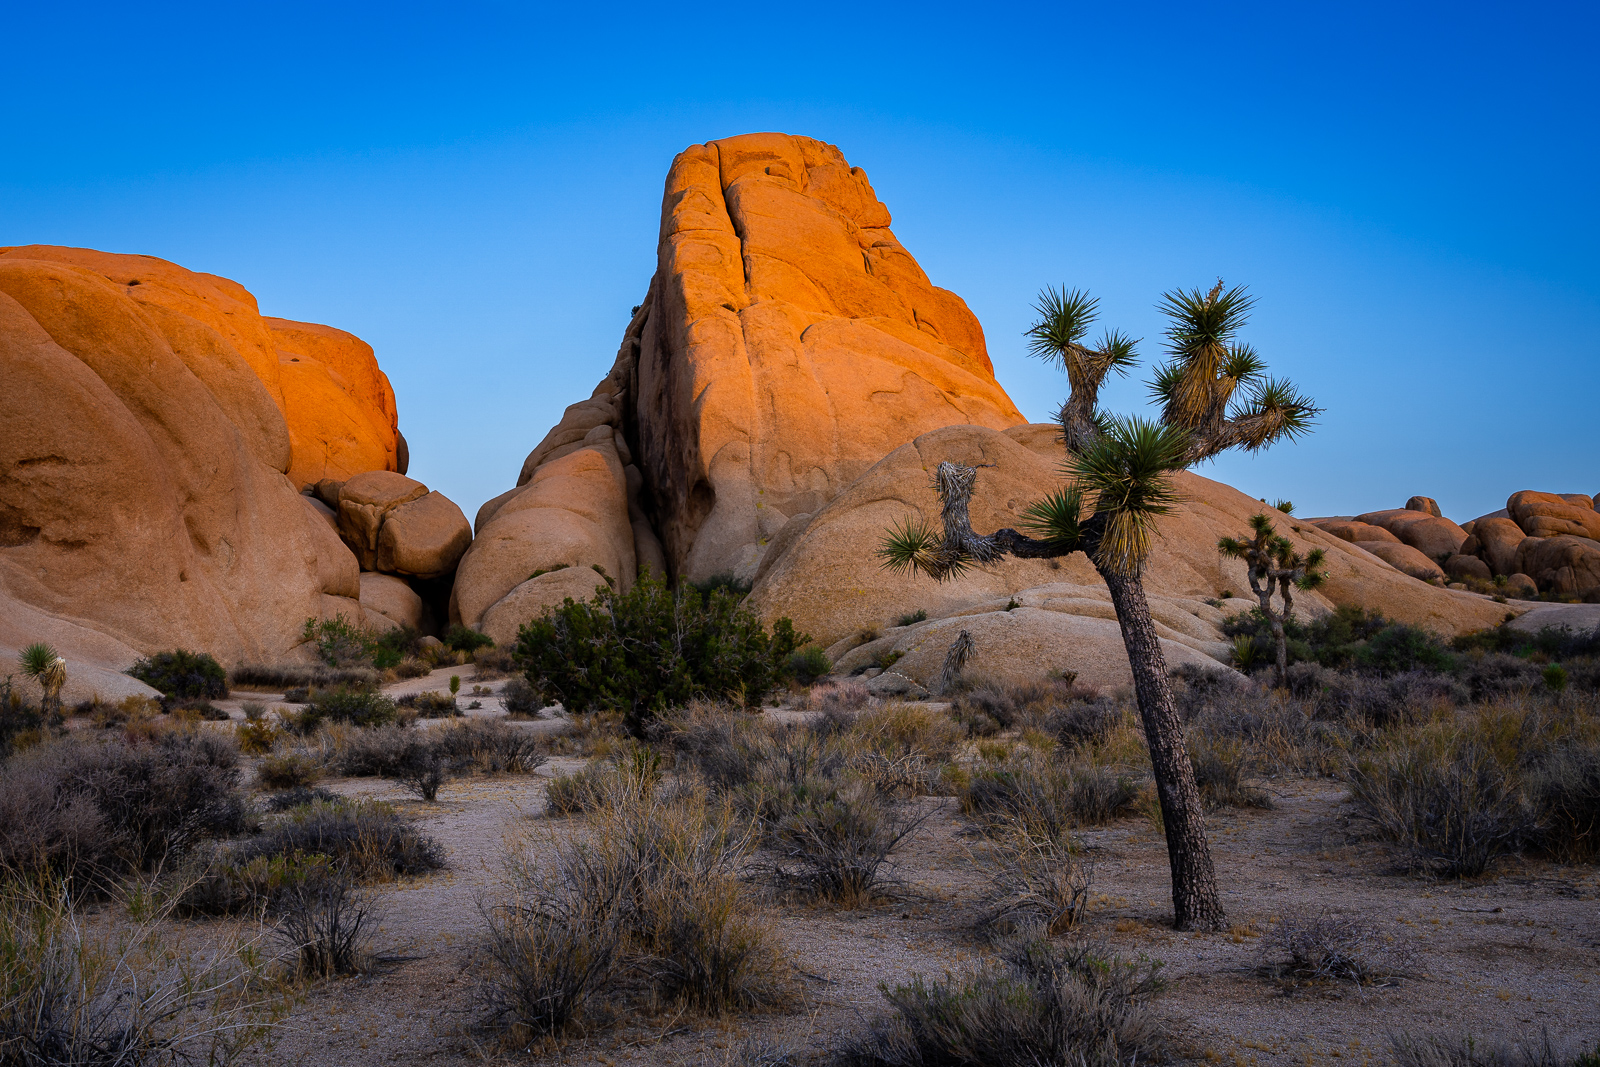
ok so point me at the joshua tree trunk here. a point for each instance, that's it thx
(1196, 904)
(1282, 645)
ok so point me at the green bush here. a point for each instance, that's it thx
(912, 618)
(461, 638)
(182, 674)
(652, 648)
(1350, 638)
(808, 664)
(339, 642)
(358, 707)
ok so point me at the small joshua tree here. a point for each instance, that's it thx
(41, 663)
(1120, 471)
(1274, 566)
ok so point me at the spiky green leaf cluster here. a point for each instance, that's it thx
(37, 659)
(1128, 471)
(1057, 519)
(914, 546)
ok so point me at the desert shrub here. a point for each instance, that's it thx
(834, 842)
(1398, 647)
(1037, 885)
(196, 710)
(1221, 767)
(836, 697)
(291, 770)
(520, 699)
(1007, 706)
(338, 642)
(1349, 638)
(630, 776)
(655, 882)
(369, 753)
(650, 648)
(358, 707)
(430, 705)
(1039, 1004)
(21, 723)
(1082, 724)
(299, 677)
(809, 664)
(1045, 800)
(423, 768)
(724, 583)
(326, 923)
(1498, 674)
(1464, 1050)
(394, 646)
(71, 993)
(912, 618)
(369, 839)
(182, 674)
(493, 662)
(1449, 803)
(97, 809)
(723, 744)
(492, 747)
(1564, 789)
(1309, 950)
(257, 737)
(461, 638)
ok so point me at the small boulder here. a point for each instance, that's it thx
(1425, 504)
(391, 597)
(1498, 538)
(1434, 537)
(1521, 587)
(364, 500)
(431, 644)
(425, 537)
(1406, 560)
(327, 491)
(1463, 566)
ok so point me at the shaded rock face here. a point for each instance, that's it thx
(144, 496)
(824, 574)
(786, 344)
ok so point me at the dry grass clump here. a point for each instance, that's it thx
(1461, 791)
(1321, 950)
(646, 910)
(290, 770)
(631, 775)
(834, 841)
(1464, 1050)
(369, 839)
(1039, 1003)
(326, 924)
(74, 993)
(1045, 799)
(279, 679)
(1037, 885)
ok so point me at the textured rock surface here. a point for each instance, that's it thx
(144, 502)
(1425, 504)
(829, 581)
(1356, 532)
(1564, 565)
(1553, 514)
(392, 598)
(1498, 538)
(424, 538)
(1468, 566)
(786, 344)
(1434, 537)
(340, 406)
(1406, 560)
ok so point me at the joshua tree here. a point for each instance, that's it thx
(40, 662)
(1272, 560)
(1124, 466)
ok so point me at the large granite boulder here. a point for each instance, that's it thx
(1356, 532)
(1564, 565)
(1406, 560)
(144, 496)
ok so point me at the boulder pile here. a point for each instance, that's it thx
(1541, 543)
(157, 433)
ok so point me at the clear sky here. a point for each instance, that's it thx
(474, 188)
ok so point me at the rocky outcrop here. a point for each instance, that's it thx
(1356, 532)
(786, 344)
(1497, 541)
(339, 406)
(823, 571)
(144, 502)
(1406, 560)
(1552, 514)
(1564, 565)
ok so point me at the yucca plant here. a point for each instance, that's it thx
(1273, 566)
(41, 663)
(1119, 482)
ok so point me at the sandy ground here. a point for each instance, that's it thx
(1504, 956)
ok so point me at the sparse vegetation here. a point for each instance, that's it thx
(1323, 949)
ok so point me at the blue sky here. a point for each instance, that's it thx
(1409, 191)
